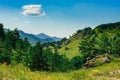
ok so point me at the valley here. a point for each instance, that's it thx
(89, 54)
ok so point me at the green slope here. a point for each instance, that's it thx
(71, 49)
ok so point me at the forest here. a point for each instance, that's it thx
(102, 40)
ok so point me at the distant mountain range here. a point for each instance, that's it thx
(33, 38)
(45, 36)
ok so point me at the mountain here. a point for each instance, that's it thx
(39, 37)
(70, 46)
(32, 38)
(45, 36)
(42, 36)
(56, 38)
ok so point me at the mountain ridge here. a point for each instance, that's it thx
(33, 38)
(45, 36)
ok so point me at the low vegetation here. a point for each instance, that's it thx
(110, 71)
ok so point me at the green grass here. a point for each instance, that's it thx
(73, 49)
(75, 40)
(104, 72)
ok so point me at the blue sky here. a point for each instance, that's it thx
(62, 17)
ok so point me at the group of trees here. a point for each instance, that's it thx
(42, 57)
(11, 46)
(109, 26)
(13, 49)
(100, 43)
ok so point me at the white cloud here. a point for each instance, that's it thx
(33, 10)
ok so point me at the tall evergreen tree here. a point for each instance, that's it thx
(2, 34)
(37, 58)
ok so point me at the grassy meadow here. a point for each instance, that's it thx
(73, 49)
(110, 71)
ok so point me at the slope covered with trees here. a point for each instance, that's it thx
(13, 49)
(84, 36)
(94, 47)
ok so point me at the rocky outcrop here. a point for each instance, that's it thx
(96, 61)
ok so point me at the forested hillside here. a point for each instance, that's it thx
(70, 46)
(87, 48)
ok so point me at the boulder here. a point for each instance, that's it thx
(96, 61)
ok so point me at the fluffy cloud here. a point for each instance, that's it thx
(33, 10)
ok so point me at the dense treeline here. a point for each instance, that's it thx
(15, 50)
(109, 26)
(41, 57)
(100, 44)
(104, 39)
